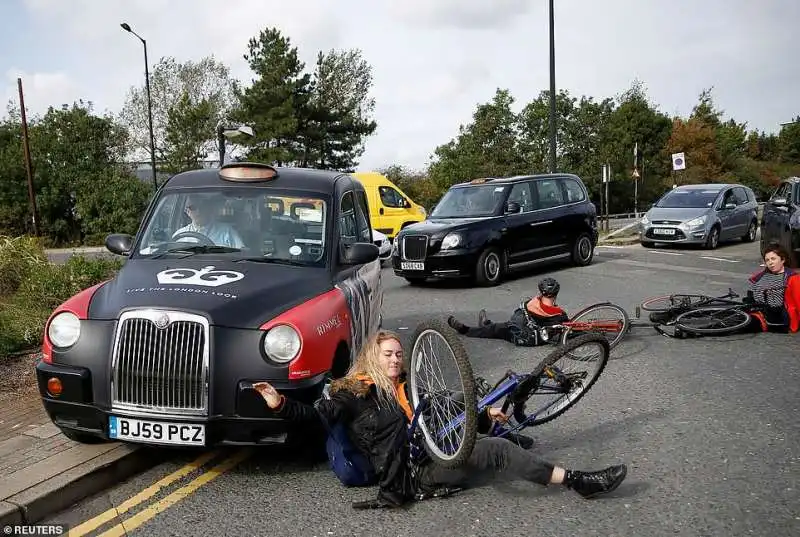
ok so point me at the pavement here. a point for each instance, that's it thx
(708, 428)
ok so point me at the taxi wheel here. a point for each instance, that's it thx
(489, 268)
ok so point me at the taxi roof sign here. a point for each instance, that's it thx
(247, 172)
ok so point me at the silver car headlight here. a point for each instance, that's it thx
(644, 221)
(282, 343)
(64, 329)
(699, 221)
(451, 240)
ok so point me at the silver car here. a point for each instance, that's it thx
(701, 214)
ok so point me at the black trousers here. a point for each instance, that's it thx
(490, 331)
(491, 456)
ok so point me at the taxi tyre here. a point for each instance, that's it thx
(577, 258)
(489, 257)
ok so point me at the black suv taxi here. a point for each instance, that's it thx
(237, 275)
(486, 227)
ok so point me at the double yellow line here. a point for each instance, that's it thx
(165, 503)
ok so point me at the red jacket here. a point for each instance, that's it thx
(791, 297)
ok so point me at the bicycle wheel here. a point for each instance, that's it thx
(605, 318)
(670, 302)
(712, 320)
(556, 375)
(440, 372)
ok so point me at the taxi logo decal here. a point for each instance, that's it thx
(206, 277)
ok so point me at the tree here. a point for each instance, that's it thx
(488, 146)
(174, 84)
(273, 101)
(185, 141)
(789, 141)
(338, 116)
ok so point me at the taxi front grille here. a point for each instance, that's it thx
(160, 363)
(415, 247)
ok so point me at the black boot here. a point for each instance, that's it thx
(591, 484)
(457, 325)
(482, 320)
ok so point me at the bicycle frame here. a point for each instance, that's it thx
(502, 390)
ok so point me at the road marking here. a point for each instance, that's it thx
(665, 253)
(719, 259)
(146, 494)
(676, 268)
(162, 505)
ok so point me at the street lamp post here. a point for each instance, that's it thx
(230, 131)
(125, 26)
(552, 92)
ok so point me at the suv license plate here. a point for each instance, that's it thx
(156, 432)
(664, 231)
(412, 266)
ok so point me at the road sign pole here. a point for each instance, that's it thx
(608, 180)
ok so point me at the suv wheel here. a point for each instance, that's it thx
(713, 238)
(489, 268)
(582, 250)
(751, 232)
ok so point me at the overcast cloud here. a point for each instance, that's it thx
(433, 61)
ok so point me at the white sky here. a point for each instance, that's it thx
(433, 61)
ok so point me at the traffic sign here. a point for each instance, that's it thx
(678, 161)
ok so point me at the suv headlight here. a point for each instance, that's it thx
(64, 329)
(451, 240)
(699, 221)
(644, 221)
(282, 343)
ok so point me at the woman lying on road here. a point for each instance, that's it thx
(373, 401)
(777, 287)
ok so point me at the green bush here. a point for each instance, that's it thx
(38, 287)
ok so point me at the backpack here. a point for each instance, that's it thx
(349, 464)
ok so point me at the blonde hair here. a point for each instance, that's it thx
(368, 363)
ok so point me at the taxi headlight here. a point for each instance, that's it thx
(64, 330)
(452, 240)
(282, 343)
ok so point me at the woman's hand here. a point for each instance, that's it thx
(497, 415)
(269, 393)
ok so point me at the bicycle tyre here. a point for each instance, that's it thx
(665, 303)
(467, 378)
(744, 320)
(626, 322)
(525, 388)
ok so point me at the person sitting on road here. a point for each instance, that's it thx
(777, 289)
(200, 210)
(373, 402)
(523, 328)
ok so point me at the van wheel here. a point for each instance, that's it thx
(489, 268)
(751, 232)
(582, 250)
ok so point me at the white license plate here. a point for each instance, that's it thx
(156, 432)
(663, 231)
(405, 265)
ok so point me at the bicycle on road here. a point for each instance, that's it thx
(445, 420)
(700, 314)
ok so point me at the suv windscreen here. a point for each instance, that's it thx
(238, 223)
(470, 202)
(688, 199)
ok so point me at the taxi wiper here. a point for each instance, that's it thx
(199, 249)
(276, 260)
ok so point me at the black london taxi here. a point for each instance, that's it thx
(484, 228)
(237, 274)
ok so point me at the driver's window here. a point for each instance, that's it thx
(348, 227)
(391, 197)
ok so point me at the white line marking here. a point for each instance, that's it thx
(719, 259)
(607, 246)
(665, 253)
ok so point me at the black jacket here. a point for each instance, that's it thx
(378, 429)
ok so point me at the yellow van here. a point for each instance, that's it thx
(390, 209)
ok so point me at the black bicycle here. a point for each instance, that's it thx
(699, 314)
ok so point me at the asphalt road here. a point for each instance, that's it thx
(709, 429)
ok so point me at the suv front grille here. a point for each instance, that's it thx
(415, 247)
(160, 363)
